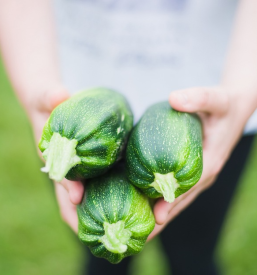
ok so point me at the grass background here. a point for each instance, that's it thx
(33, 238)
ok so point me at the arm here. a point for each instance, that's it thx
(224, 110)
(28, 47)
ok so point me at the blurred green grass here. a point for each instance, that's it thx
(33, 238)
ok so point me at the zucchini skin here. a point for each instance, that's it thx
(112, 198)
(99, 120)
(165, 141)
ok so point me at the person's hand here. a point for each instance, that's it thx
(224, 113)
(68, 193)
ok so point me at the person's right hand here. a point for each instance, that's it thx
(29, 49)
(68, 193)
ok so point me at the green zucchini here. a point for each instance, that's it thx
(115, 218)
(164, 152)
(84, 136)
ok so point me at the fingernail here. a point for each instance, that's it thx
(181, 97)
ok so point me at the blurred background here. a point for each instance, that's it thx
(34, 239)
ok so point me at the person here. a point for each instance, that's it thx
(146, 50)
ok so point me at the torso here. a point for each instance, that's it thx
(144, 49)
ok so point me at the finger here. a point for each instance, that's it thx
(209, 100)
(58, 97)
(156, 231)
(51, 98)
(75, 190)
(213, 162)
(183, 204)
(67, 209)
(174, 209)
(187, 198)
(161, 210)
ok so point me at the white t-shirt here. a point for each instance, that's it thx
(144, 48)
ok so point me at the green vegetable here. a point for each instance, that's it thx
(84, 136)
(115, 218)
(164, 152)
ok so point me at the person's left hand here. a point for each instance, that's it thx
(224, 113)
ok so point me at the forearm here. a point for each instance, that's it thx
(240, 72)
(28, 47)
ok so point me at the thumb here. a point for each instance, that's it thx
(208, 100)
(51, 98)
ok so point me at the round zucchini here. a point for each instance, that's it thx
(164, 152)
(115, 218)
(84, 136)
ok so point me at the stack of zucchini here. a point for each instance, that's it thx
(85, 138)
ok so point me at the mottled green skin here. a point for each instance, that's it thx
(111, 198)
(165, 141)
(93, 118)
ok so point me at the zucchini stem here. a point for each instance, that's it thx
(116, 237)
(166, 185)
(60, 157)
